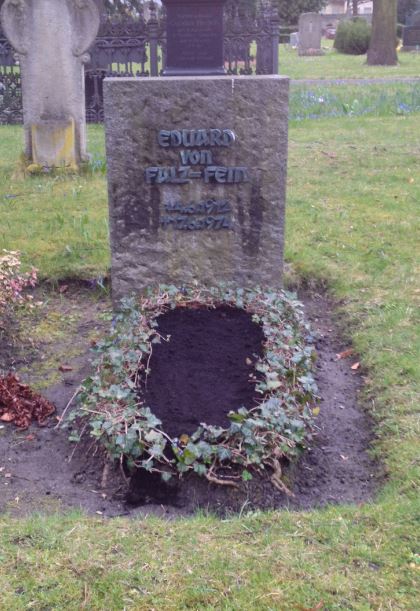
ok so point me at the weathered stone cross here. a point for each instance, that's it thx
(51, 38)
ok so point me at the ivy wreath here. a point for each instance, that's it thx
(264, 438)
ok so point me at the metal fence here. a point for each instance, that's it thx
(10, 91)
(127, 46)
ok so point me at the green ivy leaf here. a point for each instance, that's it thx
(200, 469)
(282, 420)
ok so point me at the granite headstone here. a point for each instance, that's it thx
(310, 32)
(194, 37)
(294, 40)
(411, 33)
(196, 176)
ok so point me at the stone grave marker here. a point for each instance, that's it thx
(411, 33)
(196, 174)
(294, 40)
(51, 38)
(310, 31)
(194, 37)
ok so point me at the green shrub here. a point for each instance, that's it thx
(353, 37)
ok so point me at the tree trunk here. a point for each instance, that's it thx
(382, 49)
(355, 4)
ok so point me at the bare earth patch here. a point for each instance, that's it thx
(40, 470)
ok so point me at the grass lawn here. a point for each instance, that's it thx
(310, 101)
(353, 225)
(59, 223)
(335, 65)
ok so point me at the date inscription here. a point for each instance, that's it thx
(212, 214)
(188, 223)
(211, 206)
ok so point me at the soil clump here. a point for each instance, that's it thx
(203, 371)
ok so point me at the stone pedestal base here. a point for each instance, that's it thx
(54, 143)
(197, 175)
(310, 52)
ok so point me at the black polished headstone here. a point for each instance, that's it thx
(194, 37)
(411, 33)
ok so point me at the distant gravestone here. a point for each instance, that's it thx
(194, 37)
(310, 31)
(51, 38)
(411, 33)
(294, 40)
(196, 175)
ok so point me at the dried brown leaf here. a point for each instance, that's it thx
(20, 404)
(6, 417)
(344, 354)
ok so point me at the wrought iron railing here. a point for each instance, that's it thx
(127, 46)
(10, 89)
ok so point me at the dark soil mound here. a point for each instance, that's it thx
(204, 370)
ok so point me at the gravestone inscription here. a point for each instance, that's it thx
(194, 37)
(196, 176)
(191, 160)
